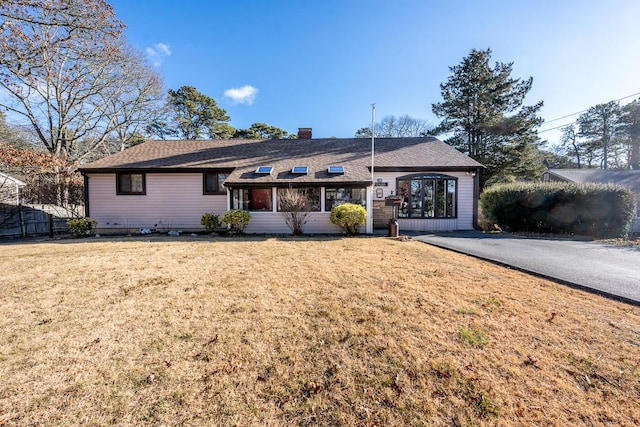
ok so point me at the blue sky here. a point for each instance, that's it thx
(320, 64)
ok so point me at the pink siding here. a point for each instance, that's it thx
(273, 222)
(172, 202)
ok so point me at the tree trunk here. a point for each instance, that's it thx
(634, 161)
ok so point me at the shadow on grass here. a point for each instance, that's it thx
(186, 237)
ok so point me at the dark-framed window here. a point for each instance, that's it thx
(427, 196)
(252, 199)
(130, 183)
(312, 195)
(336, 196)
(213, 183)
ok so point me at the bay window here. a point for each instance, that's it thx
(427, 196)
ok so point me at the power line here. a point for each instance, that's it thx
(557, 127)
(579, 112)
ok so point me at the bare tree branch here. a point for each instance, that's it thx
(66, 69)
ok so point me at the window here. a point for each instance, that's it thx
(213, 183)
(312, 194)
(301, 170)
(427, 196)
(264, 170)
(130, 183)
(338, 170)
(252, 199)
(336, 196)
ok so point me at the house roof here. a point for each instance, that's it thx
(4, 177)
(627, 178)
(243, 157)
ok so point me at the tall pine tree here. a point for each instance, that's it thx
(483, 116)
(630, 120)
(601, 126)
(197, 114)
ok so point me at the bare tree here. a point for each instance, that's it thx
(402, 126)
(295, 207)
(133, 103)
(397, 127)
(11, 134)
(49, 179)
(68, 73)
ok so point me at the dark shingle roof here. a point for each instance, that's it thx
(245, 156)
(627, 178)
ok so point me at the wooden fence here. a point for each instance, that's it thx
(35, 220)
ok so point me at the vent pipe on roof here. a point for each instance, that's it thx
(304, 133)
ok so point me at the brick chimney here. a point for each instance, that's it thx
(304, 133)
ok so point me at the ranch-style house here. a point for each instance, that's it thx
(169, 185)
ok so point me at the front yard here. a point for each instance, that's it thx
(326, 331)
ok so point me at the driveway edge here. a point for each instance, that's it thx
(568, 283)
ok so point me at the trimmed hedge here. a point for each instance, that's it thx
(210, 221)
(237, 219)
(81, 227)
(348, 217)
(598, 210)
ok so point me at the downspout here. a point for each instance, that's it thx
(20, 217)
(85, 194)
(476, 197)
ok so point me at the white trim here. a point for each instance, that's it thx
(274, 199)
(14, 180)
(369, 223)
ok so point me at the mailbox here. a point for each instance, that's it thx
(392, 201)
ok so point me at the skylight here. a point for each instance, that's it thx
(264, 170)
(336, 169)
(302, 170)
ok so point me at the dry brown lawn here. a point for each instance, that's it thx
(284, 331)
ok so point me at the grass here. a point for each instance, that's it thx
(295, 331)
(475, 337)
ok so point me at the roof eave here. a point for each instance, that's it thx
(155, 169)
(322, 183)
(426, 168)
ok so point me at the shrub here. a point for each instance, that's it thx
(295, 207)
(599, 210)
(81, 226)
(237, 219)
(349, 217)
(210, 221)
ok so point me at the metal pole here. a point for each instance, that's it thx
(373, 139)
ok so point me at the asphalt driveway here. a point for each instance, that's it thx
(610, 270)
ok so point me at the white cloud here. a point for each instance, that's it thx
(157, 53)
(242, 95)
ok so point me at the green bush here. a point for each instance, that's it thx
(237, 219)
(81, 226)
(349, 217)
(598, 210)
(210, 221)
